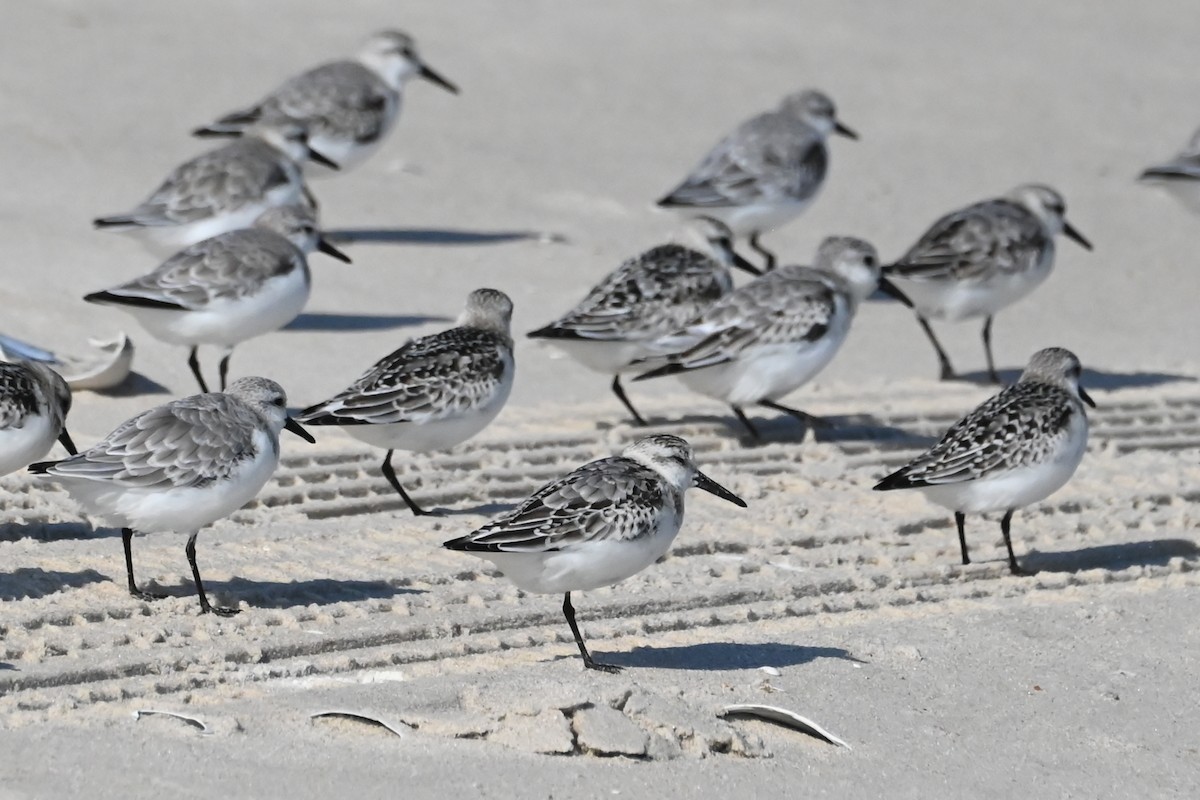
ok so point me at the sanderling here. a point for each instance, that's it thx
(976, 261)
(224, 189)
(181, 466)
(604, 522)
(766, 172)
(229, 288)
(1180, 175)
(34, 401)
(772, 335)
(434, 392)
(648, 296)
(1018, 448)
(349, 106)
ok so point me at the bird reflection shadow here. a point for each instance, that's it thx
(436, 236)
(30, 583)
(1112, 557)
(724, 656)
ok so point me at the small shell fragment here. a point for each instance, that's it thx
(195, 722)
(105, 368)
(398, 728)
(782, 716)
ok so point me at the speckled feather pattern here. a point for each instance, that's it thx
(341, 99)
(190, 442)
(774, 157)
(984, 239)
(19, 395)
(647, 296)
(1020, 427)
(231, 266)
(788, 305)
(614, 498)
(238, 174)
(441, 375)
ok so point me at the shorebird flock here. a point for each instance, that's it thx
(237, 224)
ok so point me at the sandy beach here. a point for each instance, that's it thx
(945, 680)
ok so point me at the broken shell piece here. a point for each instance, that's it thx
(398, 728)
(781, 716)
(109, 366)
(195, 722)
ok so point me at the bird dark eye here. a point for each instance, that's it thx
(278, 401)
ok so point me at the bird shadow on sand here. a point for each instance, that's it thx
(1092, 379)
(135, 385)
(53, 531)
(437, 236)
(1113, 557)
(30, 583)
(718, 656)
(779, 428)
(329, 322)
(280, 594)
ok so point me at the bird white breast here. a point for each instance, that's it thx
(1185, 191)
(607, 358)
(183, 509)
(1016, 488)
(954, 300)
(437, 434)
(229, 321)
(768, 372)
(166, 240)
(744, 220)
(20, 447)
(589, 565)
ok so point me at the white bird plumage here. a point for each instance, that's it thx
(602, 523)
(181, 466)
(433, 393)
(1016, 449)
(227, 289)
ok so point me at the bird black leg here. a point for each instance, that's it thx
(569, 613)
(768, 256)
(741, 415)
(807, 419)
(126, 541)
(943, 359)
(960, 519)
(223, 369)
(390, 474)
(194, 363)
(987, 349)
(205, 606)
(1012, 559)
(619, 391)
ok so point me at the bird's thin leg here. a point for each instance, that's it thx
(223, 369)
(741, 415)
(1005, 522)
(569, 613)
(768, 256)
(809, 419)
(943, 359)
(987, 349)
(194, 363)
(960, 519)
(205, 606)
(127, 542)
(390, 474)
(619, 391)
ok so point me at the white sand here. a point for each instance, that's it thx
(947, 681)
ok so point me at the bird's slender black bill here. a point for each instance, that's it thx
(321, 159)
(433, 77)
(743, 264)
(1075, 236)
(706, 483)
(842, 130)
(64, 439)
(325, 247)
(893, 291)
(1085, 397)
(294, 427)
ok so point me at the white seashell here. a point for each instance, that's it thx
(782, 716)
